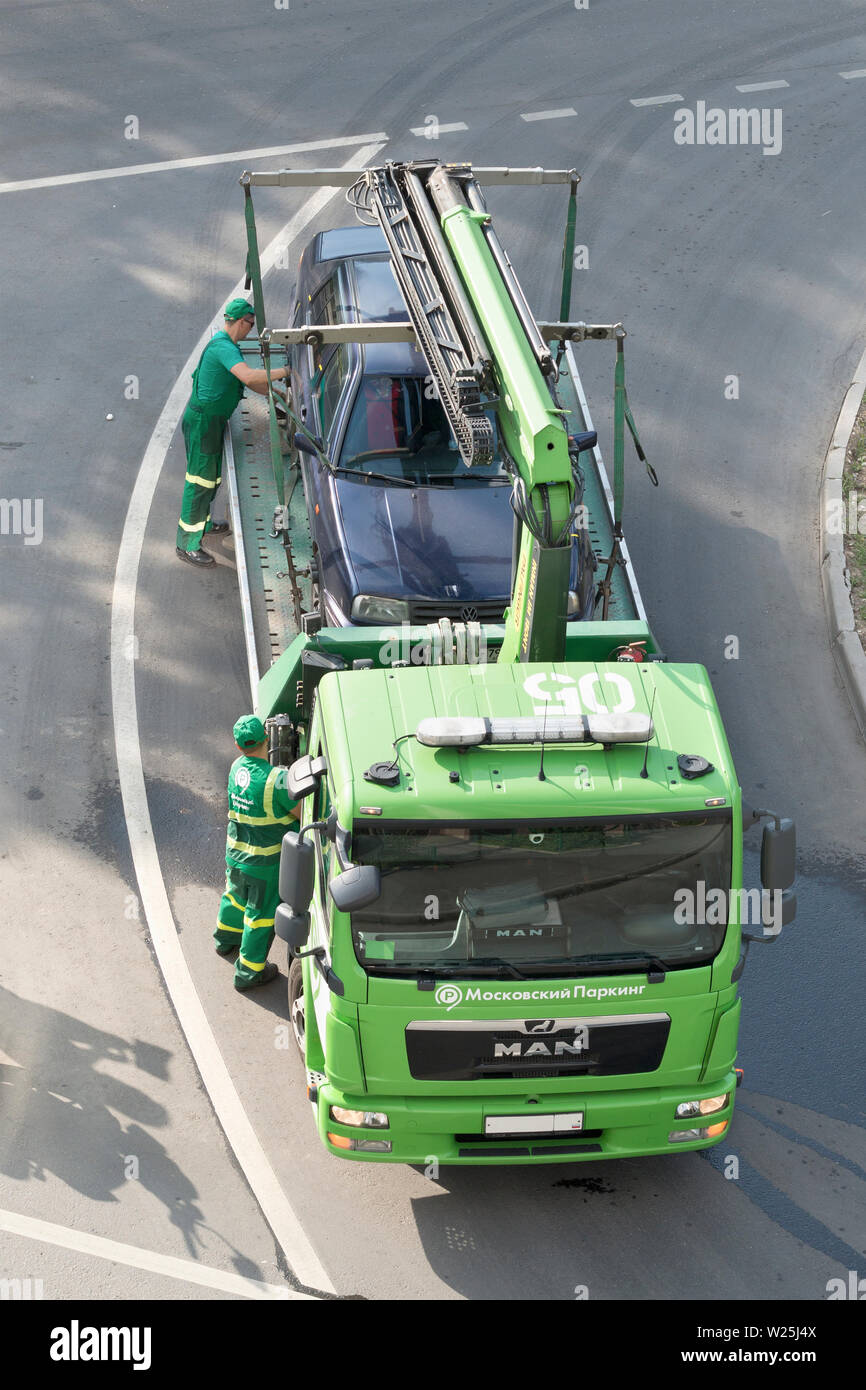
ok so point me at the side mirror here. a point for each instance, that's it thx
(779, 855)
(297, 871)
(585, 441)
(291, 927)
(356, 887)
(303, 776)
(306, 444)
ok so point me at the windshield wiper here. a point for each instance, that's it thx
(489, 965)
(365, 473)
(599, 964)
(497, 961)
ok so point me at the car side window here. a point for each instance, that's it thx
(330, 387)
(325, 309)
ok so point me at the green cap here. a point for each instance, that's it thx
(238, 309)
(249, 731)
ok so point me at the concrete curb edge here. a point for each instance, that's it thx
(835, 582)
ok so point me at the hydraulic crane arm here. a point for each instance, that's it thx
(486, 354)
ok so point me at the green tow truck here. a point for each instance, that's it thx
(514, 909)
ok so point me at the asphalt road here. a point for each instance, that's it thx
(723, 261)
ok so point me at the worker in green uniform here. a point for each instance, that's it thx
(217, 385)
(260, 813)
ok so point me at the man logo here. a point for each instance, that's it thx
(539, 1025)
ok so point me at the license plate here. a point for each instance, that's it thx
(534, 1124)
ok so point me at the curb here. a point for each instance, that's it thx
(835, 582)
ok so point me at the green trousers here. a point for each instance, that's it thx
(246, 915)
(203, 438)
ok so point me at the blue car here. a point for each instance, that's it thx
(402, 530)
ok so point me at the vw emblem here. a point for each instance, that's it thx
(469, 614)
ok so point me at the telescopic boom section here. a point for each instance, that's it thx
(485, 353)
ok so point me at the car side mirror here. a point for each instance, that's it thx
(297, 871)
(292, 927)
(356, 887)
(307, 444)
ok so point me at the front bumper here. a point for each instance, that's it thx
(450, 1129)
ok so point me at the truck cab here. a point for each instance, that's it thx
(520, 970)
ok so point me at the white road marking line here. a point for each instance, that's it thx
(190, 1271)
(656, 101)
(256, 1166)
(548, 115)
(440, 129)
(849, 76)
(762, 86)
(195, 162)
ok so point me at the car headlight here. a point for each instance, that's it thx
(364, 1119)
(573, 609)
(368, 608)
(709, 1106)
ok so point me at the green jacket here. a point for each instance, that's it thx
(259, 807)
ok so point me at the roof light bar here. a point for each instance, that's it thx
(469, 731)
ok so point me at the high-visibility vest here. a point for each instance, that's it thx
(259, 806)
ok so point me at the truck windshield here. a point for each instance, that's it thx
(397, 427)
(544, 898)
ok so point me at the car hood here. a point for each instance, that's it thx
(451, 542)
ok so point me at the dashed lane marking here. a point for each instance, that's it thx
(656, 101)
(762, 86)
(548, 115)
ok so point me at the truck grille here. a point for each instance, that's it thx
(512, 1049)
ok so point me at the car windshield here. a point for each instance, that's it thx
(546, 898)
(398, 427)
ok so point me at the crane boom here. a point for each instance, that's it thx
(486, 354)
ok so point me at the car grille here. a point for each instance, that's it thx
(430, 610)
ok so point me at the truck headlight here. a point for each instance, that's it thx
(368, 608)
(573, 608)
(686, 1136)
(375, 1146)
(364, 1119)
(709, 1106)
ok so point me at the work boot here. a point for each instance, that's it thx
(263, 977)
(225, 948)
(195, 557)
(219, 528)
